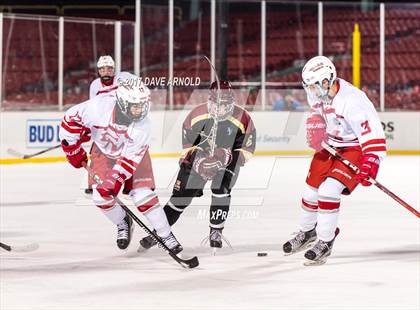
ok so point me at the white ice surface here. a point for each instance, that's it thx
(375, 262)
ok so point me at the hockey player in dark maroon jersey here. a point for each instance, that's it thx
(234, 145)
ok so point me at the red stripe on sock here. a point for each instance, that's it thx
(147, 205)
(328, 205)
(309, 206)
(104, 207)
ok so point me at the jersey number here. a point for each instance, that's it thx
(249, 141)
(366, 127)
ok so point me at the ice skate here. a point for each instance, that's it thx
(125, 231)
(215, 239)
(301, 241)
(173, 244)
(146, 243)
(318, 254)
(170, 241)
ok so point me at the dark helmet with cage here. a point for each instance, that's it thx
(133, 100)
(221, 101)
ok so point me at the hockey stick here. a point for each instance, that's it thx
(213, 132)
(26, 156)
(186, 263)
(23, 248)
(352, 166)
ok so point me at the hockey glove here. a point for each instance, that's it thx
(224, 156)
(75, 153)
(315, 131)
(369, 166)
(206, 166)
(112, 184)
(85, 135)
(188, 155)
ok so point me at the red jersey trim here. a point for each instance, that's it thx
(373, 141)
(103, 91)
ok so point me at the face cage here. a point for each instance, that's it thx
(322, 94)
(125, 107)
(226, 102)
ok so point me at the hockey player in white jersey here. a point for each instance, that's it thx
(121, 132)
(344, 117)
(107, 80)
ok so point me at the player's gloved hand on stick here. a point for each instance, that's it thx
(223, 155)
(75, 153)
(208, 166)
(85, 135)
(111, 185)
(189, 155)
(315, 131)
(369, 166)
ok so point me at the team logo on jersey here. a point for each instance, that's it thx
(229, 131)
(112, 139)
(75, 118)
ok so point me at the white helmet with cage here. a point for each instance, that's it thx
(314, 74)
(133, 100)
(105, 61)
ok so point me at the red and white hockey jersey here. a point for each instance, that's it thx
(125, 143)
(352, 120)
(97, 88)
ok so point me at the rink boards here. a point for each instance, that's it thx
(278, 133)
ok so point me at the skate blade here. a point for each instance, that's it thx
(301, 249)
(318, 262)
(88, 196)
(213, 251)
(140, 249)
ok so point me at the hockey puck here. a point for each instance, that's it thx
(260, 254)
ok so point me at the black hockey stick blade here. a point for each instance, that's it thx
(22, 248)
(186, 263)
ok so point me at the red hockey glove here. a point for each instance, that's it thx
(85, 135)
(315, 131)
(369, 166)
(75, 153)
(112, 184)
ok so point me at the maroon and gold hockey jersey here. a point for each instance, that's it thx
(237, 132)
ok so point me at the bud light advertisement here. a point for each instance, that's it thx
(41, 133)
